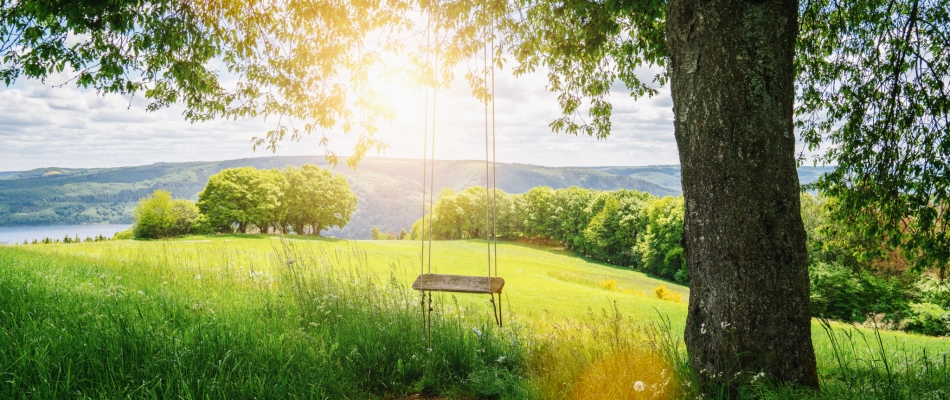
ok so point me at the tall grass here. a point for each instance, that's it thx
(315, 328)
(608, 356)
(862, 367)
(307, 319)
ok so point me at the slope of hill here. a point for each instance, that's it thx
(669, 177)
(389, 190)
(7, 174)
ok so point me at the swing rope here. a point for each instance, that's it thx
(428, 172)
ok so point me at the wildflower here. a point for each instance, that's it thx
(198, 278)
(118, 278)
(702, 328)
(638, 386)
(477, 332)
(501, 359)
(758, 376)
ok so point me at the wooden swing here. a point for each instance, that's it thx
(427, 282)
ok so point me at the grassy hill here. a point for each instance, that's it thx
(389, 190)
(224, 317)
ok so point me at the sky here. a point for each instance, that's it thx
(54, 125)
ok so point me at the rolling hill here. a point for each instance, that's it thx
(389, 189)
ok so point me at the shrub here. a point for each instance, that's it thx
(837, 292)
(928, 319)
(124, 235)
(158, 216)
(663, 293)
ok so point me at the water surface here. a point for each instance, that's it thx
(17, 234)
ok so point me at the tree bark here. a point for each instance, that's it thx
(732, 81)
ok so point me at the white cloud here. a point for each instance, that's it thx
(43, 126)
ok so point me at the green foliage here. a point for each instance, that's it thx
(623, 227)
(661, 244)
(159, 216)
(123, 235)
(928, 319)
(317, 199)
(612, 233)
(882, 113)
(837, 292)
(241, 197)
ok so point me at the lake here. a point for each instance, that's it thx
(17, 234)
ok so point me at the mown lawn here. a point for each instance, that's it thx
(242, 289)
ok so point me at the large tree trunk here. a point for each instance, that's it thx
(732, 81)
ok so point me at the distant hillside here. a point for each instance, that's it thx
(669, 177)
(7, 174)
(389, 190)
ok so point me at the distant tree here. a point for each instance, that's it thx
(448, 219)
(374, 233)
(317, 199)
(660, 247)
(613, 231)
(226, 199)
(570, 215)
(242, 197)
(402, 234)
(537, 211)
(160, 216)
(272, 186)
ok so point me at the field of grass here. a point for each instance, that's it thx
(244, 316)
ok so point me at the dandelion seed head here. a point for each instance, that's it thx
(638, 386)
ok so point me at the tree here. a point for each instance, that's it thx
(159, 216)
(241, 197)
(537, 205)
(317, 199)
(660, 245)
(613, 231)
(872, 78)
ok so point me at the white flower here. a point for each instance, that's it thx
(477, 332)
(501, 359)
(198, 278)
(758, 376)
(724, 324)
(702, 328)
(638, 386)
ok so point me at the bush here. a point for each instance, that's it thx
(159, 216)
(837, 292)
(124, 235)
(663, 293)
(928, 319)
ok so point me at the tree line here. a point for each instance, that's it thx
(852, 279)
(624, 227)
(301, 200)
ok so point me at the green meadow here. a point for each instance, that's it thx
(262, 316)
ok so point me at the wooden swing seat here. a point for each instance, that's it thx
(458, 283)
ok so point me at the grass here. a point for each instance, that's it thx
(232, 316)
